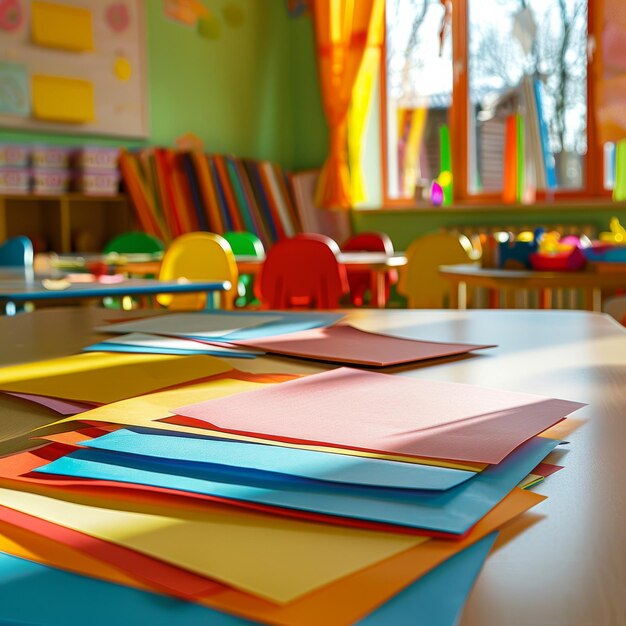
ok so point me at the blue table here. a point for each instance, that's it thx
(18, 286)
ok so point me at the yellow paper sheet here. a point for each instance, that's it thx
(144, 411)
(62, 26)
(268, 556)
(63, 99)
(107, 377)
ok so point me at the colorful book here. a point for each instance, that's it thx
(207, 190)
(227, 191)
(219, 195)
(194, 188)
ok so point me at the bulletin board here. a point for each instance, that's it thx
(74, 66)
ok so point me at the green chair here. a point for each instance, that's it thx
(134, 242)
(245, 244)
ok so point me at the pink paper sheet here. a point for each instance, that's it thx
(64, 407)
(391, 414)
(345, 344)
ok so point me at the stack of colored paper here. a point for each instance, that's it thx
(346, 497)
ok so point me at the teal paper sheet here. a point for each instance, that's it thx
(453, 511)
(126, 348)
(31, 593)
(196, 452)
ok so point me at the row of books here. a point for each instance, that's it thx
(176, 192)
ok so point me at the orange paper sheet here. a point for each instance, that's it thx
(337, 604)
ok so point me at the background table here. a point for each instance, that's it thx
(592, 283)
(568, 566)
(19, 286)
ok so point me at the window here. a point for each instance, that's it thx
(498, 73)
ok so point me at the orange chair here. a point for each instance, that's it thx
(302, 272)
(360, 280)
(420, 280)
(199, 256)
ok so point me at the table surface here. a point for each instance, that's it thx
(483, 276)
(568, 566)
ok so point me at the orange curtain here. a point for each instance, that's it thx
(611, 71)
(341, 35)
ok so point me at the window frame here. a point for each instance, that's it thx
(458, 122)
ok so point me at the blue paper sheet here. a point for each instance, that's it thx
(453, 511)
(114, 347)
(187, 450)
(435, 599)
(290, 323)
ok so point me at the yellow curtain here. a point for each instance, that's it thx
(341, 33)
(611, 71)
(362, 99)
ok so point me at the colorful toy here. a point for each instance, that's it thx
(617, 233)
(515, 253)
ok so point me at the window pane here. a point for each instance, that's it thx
(419, 93)
(528, 57)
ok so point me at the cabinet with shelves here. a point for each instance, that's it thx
(65, 223)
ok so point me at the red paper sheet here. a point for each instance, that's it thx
(387, 414)
(344, 344)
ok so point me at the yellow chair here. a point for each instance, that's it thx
(420, 281)
(199, 256)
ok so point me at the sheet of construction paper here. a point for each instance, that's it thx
(186, 450)
(436, 599)
(64, 407)
(198, 325)
(158, 575)
(143, 410)
(18, 472)
(356, 595)
(286, 322)
(546, 469)
(63, 596)
(146, 410)
(453, 511)
(345, 344)
(159, 344)
(352, 408)
(228, 545)
(103, 378)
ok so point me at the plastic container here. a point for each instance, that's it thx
(93, 183)
(571, 261)
(96, 158)
(50, 157)
(50, 182)
(14, 180)
(14, 155)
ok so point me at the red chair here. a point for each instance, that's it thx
(360, 280)
(302, 272)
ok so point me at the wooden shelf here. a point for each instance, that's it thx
(570, 206)
(71, 222)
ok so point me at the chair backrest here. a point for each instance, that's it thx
(199, 256)
(420, 280)
(369, 242)
(134, 241)
(245, 243)
(17, 251)
(303, 272)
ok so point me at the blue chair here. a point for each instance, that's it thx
(17, 252)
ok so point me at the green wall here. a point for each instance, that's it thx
(233, 91)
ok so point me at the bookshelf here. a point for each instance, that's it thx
(70, 222)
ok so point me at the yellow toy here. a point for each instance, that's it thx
(617, 233)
